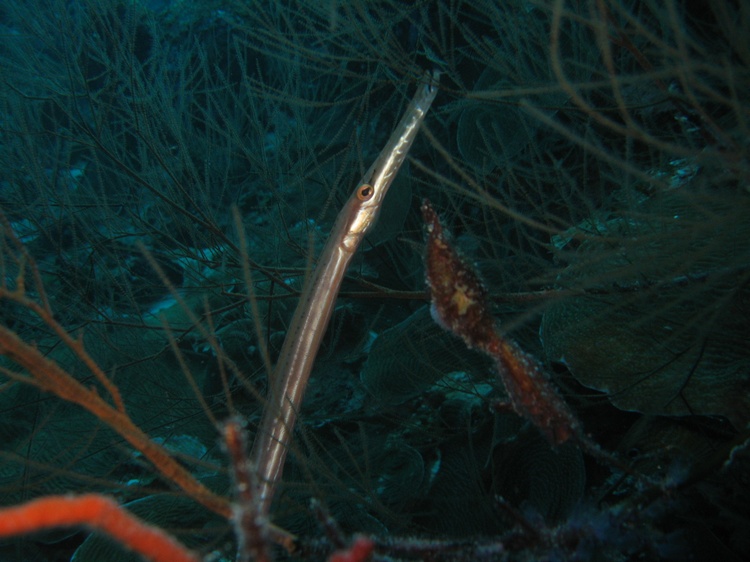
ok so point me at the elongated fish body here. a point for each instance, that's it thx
(316, 304)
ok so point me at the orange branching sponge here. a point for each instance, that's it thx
(459, 304)
(98, 513)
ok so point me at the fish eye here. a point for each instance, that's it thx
(365, 192)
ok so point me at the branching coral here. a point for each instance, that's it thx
(590, 156)
(98, 513)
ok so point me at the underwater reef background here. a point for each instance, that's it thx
(169, 171)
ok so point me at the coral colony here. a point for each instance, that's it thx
(182, 228)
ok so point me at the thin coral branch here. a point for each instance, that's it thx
(251, 525)
(98, 513)
(47, 375)
(360, 551)
(42, 309)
